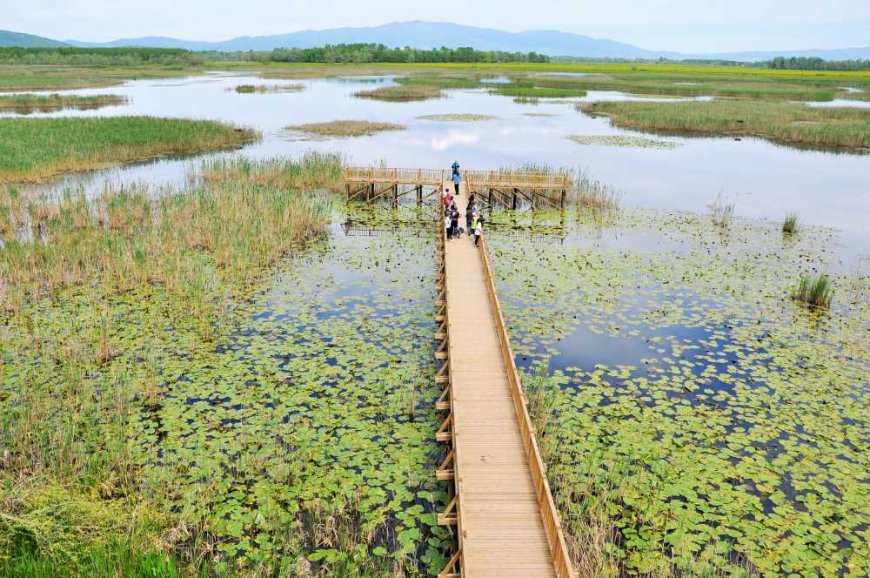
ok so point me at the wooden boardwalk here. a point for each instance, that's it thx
(503, 510)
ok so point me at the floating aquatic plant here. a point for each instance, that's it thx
(690, 412)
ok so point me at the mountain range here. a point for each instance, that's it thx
(419, 34)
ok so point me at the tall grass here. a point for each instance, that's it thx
(721, 212)
(313, 170)
(27, 103)
(243, 215)
(588, 192)
(814, 290)
(524, 89)
(785, 122)
(790, 224)
(38, 148)
(402, 93)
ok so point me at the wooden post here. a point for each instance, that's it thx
(371, 192)
(514, 200)
(562, 201)
(419, 195)
(396, 196)
(490, 197)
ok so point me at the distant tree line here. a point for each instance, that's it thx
(100, 56)
(804, 63)
(366, 53)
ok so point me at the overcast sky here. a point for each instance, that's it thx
(680, 25)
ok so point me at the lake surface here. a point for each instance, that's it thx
(762, 179)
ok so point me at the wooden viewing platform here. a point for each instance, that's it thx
(506, 521)
(510, 188)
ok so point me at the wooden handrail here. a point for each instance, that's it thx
(457, 478)
(549, 514)
(506, 179)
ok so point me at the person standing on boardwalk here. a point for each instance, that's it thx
(470, 211)
(446, 198)
(455, 167)
(454, 220)
(457, 178)
(448, 222)
(478, 230)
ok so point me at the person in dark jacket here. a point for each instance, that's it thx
(469, 217)
(455, 167)
(454, 220)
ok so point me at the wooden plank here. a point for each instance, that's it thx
(499, 513)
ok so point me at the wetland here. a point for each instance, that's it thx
(213, 366)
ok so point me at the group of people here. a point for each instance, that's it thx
(473, 219)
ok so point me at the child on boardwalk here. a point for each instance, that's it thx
(478, 230)
(470, 212)
(448, 223)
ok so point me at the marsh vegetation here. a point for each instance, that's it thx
(40, 148)
(401, 93)
(348, 128)
(29, 103)
(672, 377)
(267, 88)
(785, 122)
(457, 117)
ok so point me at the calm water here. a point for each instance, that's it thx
(762, 179)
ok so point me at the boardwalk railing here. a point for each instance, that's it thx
(502, 179)
(456, 564)
(361, 175)
(528, 180)
(549, 514)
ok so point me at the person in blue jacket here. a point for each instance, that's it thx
(456, 180)
(455, 167)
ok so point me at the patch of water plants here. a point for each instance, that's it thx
(294, 439)
(695, 418)
(623, 141)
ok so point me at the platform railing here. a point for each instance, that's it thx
(500, 179)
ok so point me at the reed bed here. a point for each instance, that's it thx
(313, 170)
(590, 193)
(267, 88)
(39, 148)
(17, 77)
(29, 103)
(124, 238)
(348, 128)
(785, 122)
(402, 93)
(524, 89)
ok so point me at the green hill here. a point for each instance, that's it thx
(8, 38)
